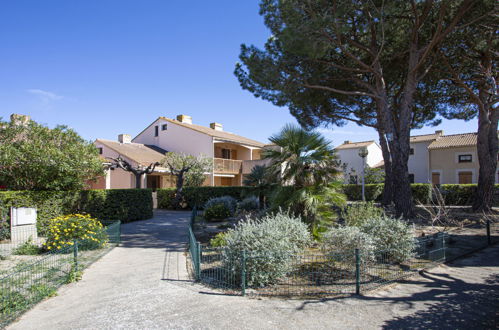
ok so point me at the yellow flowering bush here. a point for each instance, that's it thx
(64, 230)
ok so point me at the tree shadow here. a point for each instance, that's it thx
(453, 303)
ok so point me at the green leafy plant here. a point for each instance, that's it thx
(219, 240)
(219, 208)
(28, 248)
(35, 157)
(73, 275)
(270, 243)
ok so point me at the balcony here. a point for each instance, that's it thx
(249, 164)
(227, 166)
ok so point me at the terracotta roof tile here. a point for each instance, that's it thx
(452, 141)
(222, 135)
(353, 145)
(139, 153)
(424, 138)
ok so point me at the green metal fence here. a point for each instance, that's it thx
(26, 280)
(311, 273)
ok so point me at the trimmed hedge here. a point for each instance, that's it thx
(200, 195)
(421, 192)
(462, 194)
(113, 204)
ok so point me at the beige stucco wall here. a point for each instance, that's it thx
(177, 138)
(446, 162)
(419, 162)
(238, 152)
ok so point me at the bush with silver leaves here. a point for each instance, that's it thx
(392, 238)
(340, 244)
(271, 244)
(248, 204)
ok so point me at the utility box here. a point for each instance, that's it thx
(23, 224)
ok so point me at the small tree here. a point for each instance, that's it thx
(181, 165)
(35, 157)
(138, 171)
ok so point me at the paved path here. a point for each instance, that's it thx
(142, 285)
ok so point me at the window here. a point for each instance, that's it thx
(465, 158)
(100, 151)
(226, 154)
(465, 177)
(411, 151)
(164, 127)
(156, 130)
(411, 178)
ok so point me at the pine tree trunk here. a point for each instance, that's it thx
(388, 184)
(487, 149)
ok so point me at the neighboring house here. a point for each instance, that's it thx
(419, 159)
(453, 159)
(348, 154)
(435, 158)
(233, 155)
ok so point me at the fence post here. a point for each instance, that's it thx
(357, 271)
(198, 261)
(489, 241)
(75, 255)
(243, 273)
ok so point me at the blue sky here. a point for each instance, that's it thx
(111, 67)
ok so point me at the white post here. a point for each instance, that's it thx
(363, 186)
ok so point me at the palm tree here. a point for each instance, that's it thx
(307, 168)
(302, 158)
(259, 178)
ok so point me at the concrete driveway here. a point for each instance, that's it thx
(143, 284)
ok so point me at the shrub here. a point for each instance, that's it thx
(27, 248)
(353, 192)
(219, 240)
(64, 230)
(421, 192)
(198, 196)
(217, 212)
(271, 244)
(392, 237)
(248, 204)
(374, 192)
(356, 214)
(113, 204)
(340, 243)
(220, 208)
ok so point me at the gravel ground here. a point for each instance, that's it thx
(143, 284)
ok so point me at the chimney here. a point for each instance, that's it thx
(216, 126)
(347, 142)
(440, 132)
(124, 138)
(19, 120)
(184, 119)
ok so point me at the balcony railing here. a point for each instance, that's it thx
(227, 166)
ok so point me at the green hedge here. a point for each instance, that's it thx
(421, 192)
(200, 195)
(462, 194)
(113, 204)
